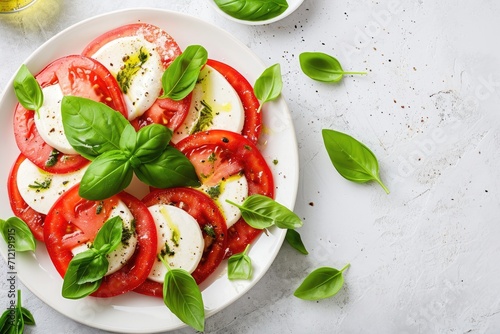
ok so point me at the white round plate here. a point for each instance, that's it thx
(131, 312)
(292, 6)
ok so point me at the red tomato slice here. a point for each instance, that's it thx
(164, 111)
(253, 119)
(218, 154)
(21, 209)
(207, 214)
(73, 221)
(79, 76)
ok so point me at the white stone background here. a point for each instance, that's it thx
(426, 257)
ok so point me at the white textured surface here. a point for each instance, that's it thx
(424, 259)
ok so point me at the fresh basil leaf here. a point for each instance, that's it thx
(322, 283)
(261, 212)
(170, 169)
(352, 159)
(252, 10)
(181, 75)
(27, 90)
(5, 322)
(182, 296)
(322, 67)
(77, 267)
(294, 239)
(109, 236)
(93, 271)
(106, 176)
(15, 231)
(152, 141)
(269, 85)
(91, 127)
(28, 318)
(239, 266)
(128, 139)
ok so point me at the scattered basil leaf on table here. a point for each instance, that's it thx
(351, 158)
(252, 10)
(322, 67)
(15, 231)
(268, 86)
(13, 320)
(181, 75)
(239, 266)
(322, 283)
(261, 212)
(27, 90)
(294, 239)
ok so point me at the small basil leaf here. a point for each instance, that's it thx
(352, 159)
(91, 127)
(106, 176)
(181, 75)
(239, 266)
(170, 169)
(322, 67)
(152, 141)
(182, 296)
(27, 90)
(252, 10)
(5, 321)
(94, 270)
(261, 212)
(110, 235)
(322, 283)
(294, 239)
(28, 318)
(269, 85)
(15, 231)
(71, 289)
(128, 139)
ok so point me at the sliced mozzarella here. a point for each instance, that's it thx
(234, 189)
(180, 240)
(40, 189)
(214, 105)
(120, 256)
(48, 120)
(137, 66)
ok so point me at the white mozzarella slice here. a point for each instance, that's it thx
(125, 250)
(214, 105)
(180, 240)
(137, 66)
(234, 189)
(48, 121)
(40, 189)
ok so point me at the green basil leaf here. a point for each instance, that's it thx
(106, 176)
(239, 266)
(28, 318)
(128, 139)
(78, 267)
(294, 239)
(27, 90)
(181, 75)
(109, 235)
(322, 283)
(170, 169)
(152, 141)
(252, 10)
(5, 321)
(182, 296)
(15, 231)
(352, 159)
(261, 212)
(322, 67)
(93, 271)
(91, 127)
(269, 85)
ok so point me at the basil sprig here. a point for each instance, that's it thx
(294, 239)
(239, 266)
(86, 269)
(252, 10)
(183, 297)
(181, 76)
(324, 282)
(268, 85)
(322, 67)
(27, 90)
(15, 231)
(13, 320)
(104, 136)
(351, 158)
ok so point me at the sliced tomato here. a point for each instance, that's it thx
(164, 111)
(78, 76)
(207, 214)
(218, 154)
(73, 221)
(21, 209)
(253, 118)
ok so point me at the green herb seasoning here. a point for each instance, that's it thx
(133, 64)
(214, 192)
(206, 118)
(209, 230)
(52, 160)
(45, 184)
